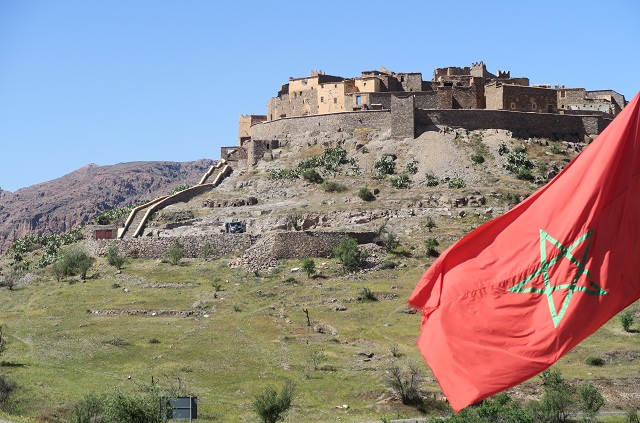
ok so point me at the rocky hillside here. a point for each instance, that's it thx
(74, 199)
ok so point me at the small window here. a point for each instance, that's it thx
(365, 84)
(402, 79)
(321, 99)
(513, 106)
(335, 85)
(563, 94)
(335, 100)
(534, 106)
(358, 100)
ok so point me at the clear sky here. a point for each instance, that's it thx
(115, 81)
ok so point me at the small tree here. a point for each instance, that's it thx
(308, 266)
(73, 261)
(556, 400)
(626, 319)
(175, 253)
(430, 223)
(349, 254)
(389, 241)
(590, 400)
(405, 383)
(114, 258)
(312, 176)
(271, 406)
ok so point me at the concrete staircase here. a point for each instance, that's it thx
(139, 216)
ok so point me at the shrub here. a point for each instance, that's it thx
(556, 400)
(589, 400)
(73, 261)
(401, 181)
(632, 416)
(175, 253)
(290, 281)
(349, 254)
(312, 175)
(389, 241)
(333, 187)
(113, 258)
(430, 223)
(430, 180)
(388, 264)
(89, 410)
(106, 217)
(179, 188)
(271, 406)
(412, 167)
(497, 409)
(405, 383)
(236, 308)
(120, 406)
(11, 278)
(395, 351)
(456, 182)
(308, 266)
(367, 295)
(385, 165)
(317, 359)
(280, 174)
(518, 162)
(365, 194)
(154, 341)
(524, 174)
(626, 319)
(594, 361)
(502, 150)
(207, 250)
(477, 158)
(6, 388)
(555, 149)
(430, 246)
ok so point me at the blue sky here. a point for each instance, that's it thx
(115, 81)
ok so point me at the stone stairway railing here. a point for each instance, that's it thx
(141, 214)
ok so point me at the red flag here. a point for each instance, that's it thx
(510, 298)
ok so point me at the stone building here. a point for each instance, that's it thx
(520, 98)
(579, 99)
(245, 123)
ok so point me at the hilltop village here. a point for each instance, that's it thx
(469, 97)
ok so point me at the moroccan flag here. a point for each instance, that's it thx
(510, 298)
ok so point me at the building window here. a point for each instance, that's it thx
(321, 99)
(365, 84)
(513, 106)
(335, 85)
(335, 100)
(534, 106)
(402, 79)
(358, 100)
(563, 94)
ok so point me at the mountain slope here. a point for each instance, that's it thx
(73, 199)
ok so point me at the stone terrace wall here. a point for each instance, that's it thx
(298, 126)
(521, 124)
(221, 245)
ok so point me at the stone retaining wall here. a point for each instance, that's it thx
(521, 124)
(220, 245)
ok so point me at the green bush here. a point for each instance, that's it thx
(594, 361)
(280, 174)
(388, 263)
(333, 187)
(502, 150)
(632, 416)
(477, 158)
(312, 175)
(106, 217)
(497, 409)
(207, 250)
(430, 180)
(556, 400)
(117, 406)
(73, 261)
(430, 246)
(456, 182)
(317, 359)
(366, 294)
(389, 241)
(524, 174)
(308, 266)
(114, 258)
(179, 188)
(589, 400)
(412, 167)
(175, 253)
(89, 410)
(518, 163)
(6, 388)
(271, 406)
(430, 223)
(626, 319)
(385, 165)
(349, 254)
(555, 149)
(365, 194)
(400, 181)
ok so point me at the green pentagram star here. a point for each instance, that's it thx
(547, 263)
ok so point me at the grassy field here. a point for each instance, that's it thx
(254, 334)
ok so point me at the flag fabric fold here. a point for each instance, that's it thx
(514, 295)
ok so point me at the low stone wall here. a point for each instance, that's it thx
(521, 124)
(298, 126)
(220, 245)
